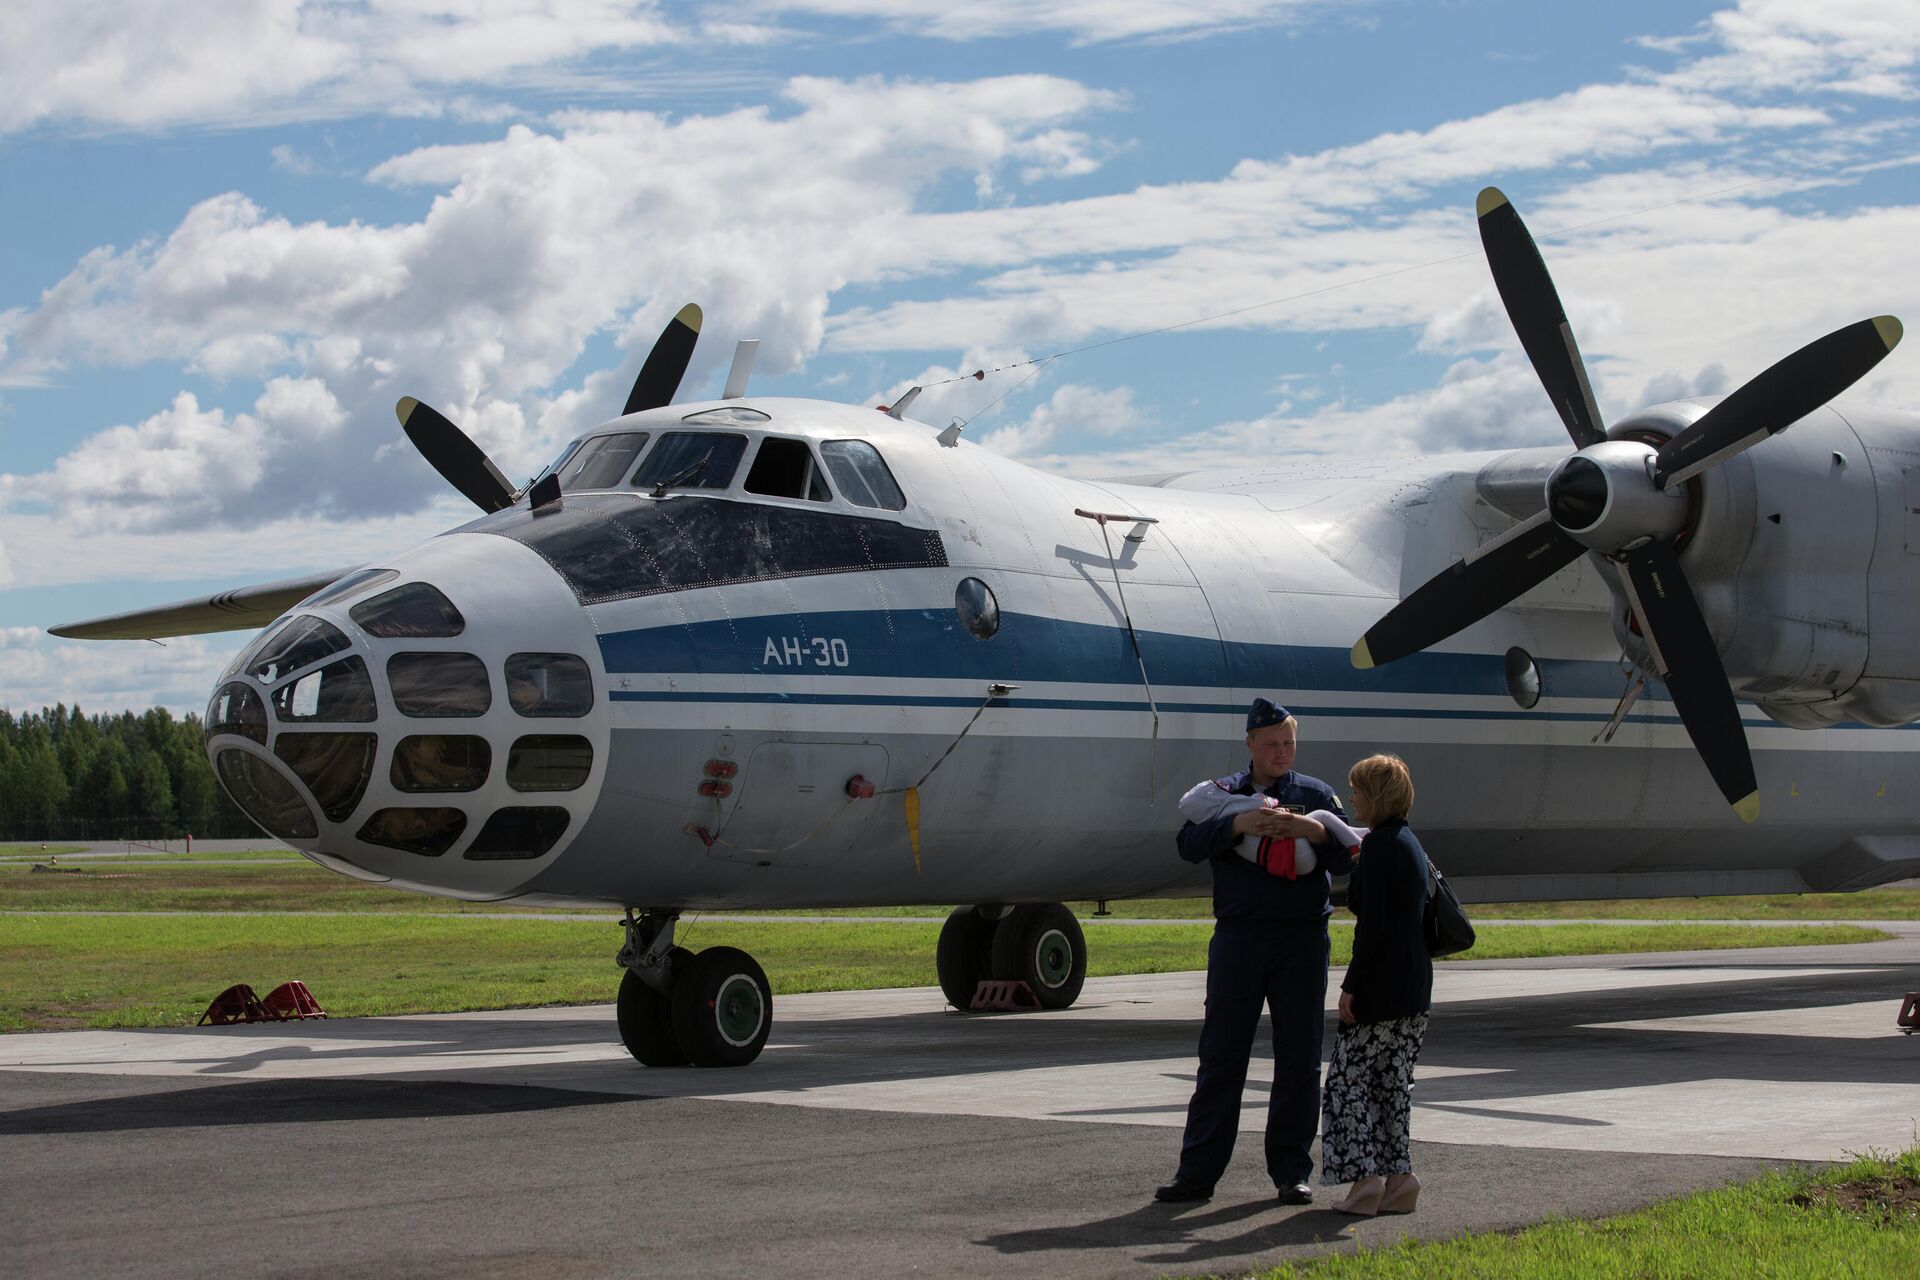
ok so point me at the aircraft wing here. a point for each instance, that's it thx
(243, 609)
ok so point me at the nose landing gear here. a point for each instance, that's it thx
(1039, 944)
(711, 1009)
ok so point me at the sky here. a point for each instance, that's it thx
(233, 235)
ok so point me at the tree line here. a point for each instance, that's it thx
(69, 776)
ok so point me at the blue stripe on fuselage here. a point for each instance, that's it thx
(930, 644)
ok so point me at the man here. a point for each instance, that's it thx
(1269, 948)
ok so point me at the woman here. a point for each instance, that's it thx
(1383, 1002)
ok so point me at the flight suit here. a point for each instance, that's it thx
(1269, 949)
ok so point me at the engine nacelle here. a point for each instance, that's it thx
(1795, 550)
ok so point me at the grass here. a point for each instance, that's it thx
(1860, 1220)
(1889, 902)
(157, 970)
(274, 880)
(37, 850)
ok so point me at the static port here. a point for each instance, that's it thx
(716, 789)
(721, 768)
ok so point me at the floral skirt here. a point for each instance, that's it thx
(1363, 1121)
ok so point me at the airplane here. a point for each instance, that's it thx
(756, 653)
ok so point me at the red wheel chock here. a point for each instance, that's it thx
(1003, 995)
(287, 1002)
(1910, 1013)
(292, 1000)
(236, 1004)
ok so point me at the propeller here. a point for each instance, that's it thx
(1624, 500)
(465, 466)
(667, 362)
(462, 463)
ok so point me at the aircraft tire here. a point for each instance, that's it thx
(722, 1008)
(1042, 945)
(646, 1021)
(964, 956)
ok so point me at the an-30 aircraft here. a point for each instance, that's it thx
(761, 653)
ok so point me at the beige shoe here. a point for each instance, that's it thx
(1402, 1190)
(1363, 1198)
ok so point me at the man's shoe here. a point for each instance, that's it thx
(1298, 1193)
(1180, 1191)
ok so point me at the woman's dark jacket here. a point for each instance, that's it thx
(1391, 975)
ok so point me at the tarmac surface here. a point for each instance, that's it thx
(881, 1135)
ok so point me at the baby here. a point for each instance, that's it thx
(1291, 857)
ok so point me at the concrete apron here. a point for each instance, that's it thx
(1777, 1053)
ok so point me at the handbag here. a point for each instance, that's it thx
(1446, 925)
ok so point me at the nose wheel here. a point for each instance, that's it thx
(676, 1007)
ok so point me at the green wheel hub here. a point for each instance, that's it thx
(1053, 958)
(738, 1010)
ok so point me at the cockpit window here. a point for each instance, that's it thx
(415, 611)
(602, 462)
(335, 767)
(549, 684)
(363, 580)
(267, 798)
(861, 475)
(238, 709)
(519, 833)
(440, 762)
(785, 469)
(301, 643)
(692, 460)
(339, 691)
(439, 684)
(427, 832)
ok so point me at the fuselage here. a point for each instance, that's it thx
(1025, 690)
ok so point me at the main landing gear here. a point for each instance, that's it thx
(711, 1009)
(1038, 944)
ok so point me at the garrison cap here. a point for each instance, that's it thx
(1263, 713)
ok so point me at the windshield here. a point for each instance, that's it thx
(680, 455)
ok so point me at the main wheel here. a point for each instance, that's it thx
(646, 1018)
(722, 1008)
(964, 957)
(1043, 947)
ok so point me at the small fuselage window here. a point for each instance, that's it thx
(603, 462)
(339, 691)
(440, 762)
(334, 766)
(238, 709)
(301, 643)
(439, 684)
(785, 469)
(427, 832)
(691, 460)
(549, 762)
(549, 684)
(861, 475)
(519, 833)
(416, 611)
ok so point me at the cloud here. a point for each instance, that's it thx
(1083, 21)
(1074, 412)
(137, 64)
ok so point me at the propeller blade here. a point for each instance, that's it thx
(1687, 659)
(667, 362)
(1778, 397)
(1538, 318)
(1464, 592)
(459, 460)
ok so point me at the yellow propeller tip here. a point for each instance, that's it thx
(1362, 656)
(690, 316)
(1748, 806)
(1490, 199)
(404, 409)
(1889, 329)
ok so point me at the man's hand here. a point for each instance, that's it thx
(1346, 1008)
(1261, 822)
(1293, 824)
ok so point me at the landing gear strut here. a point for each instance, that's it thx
(1038, 944)
(713, 1009)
